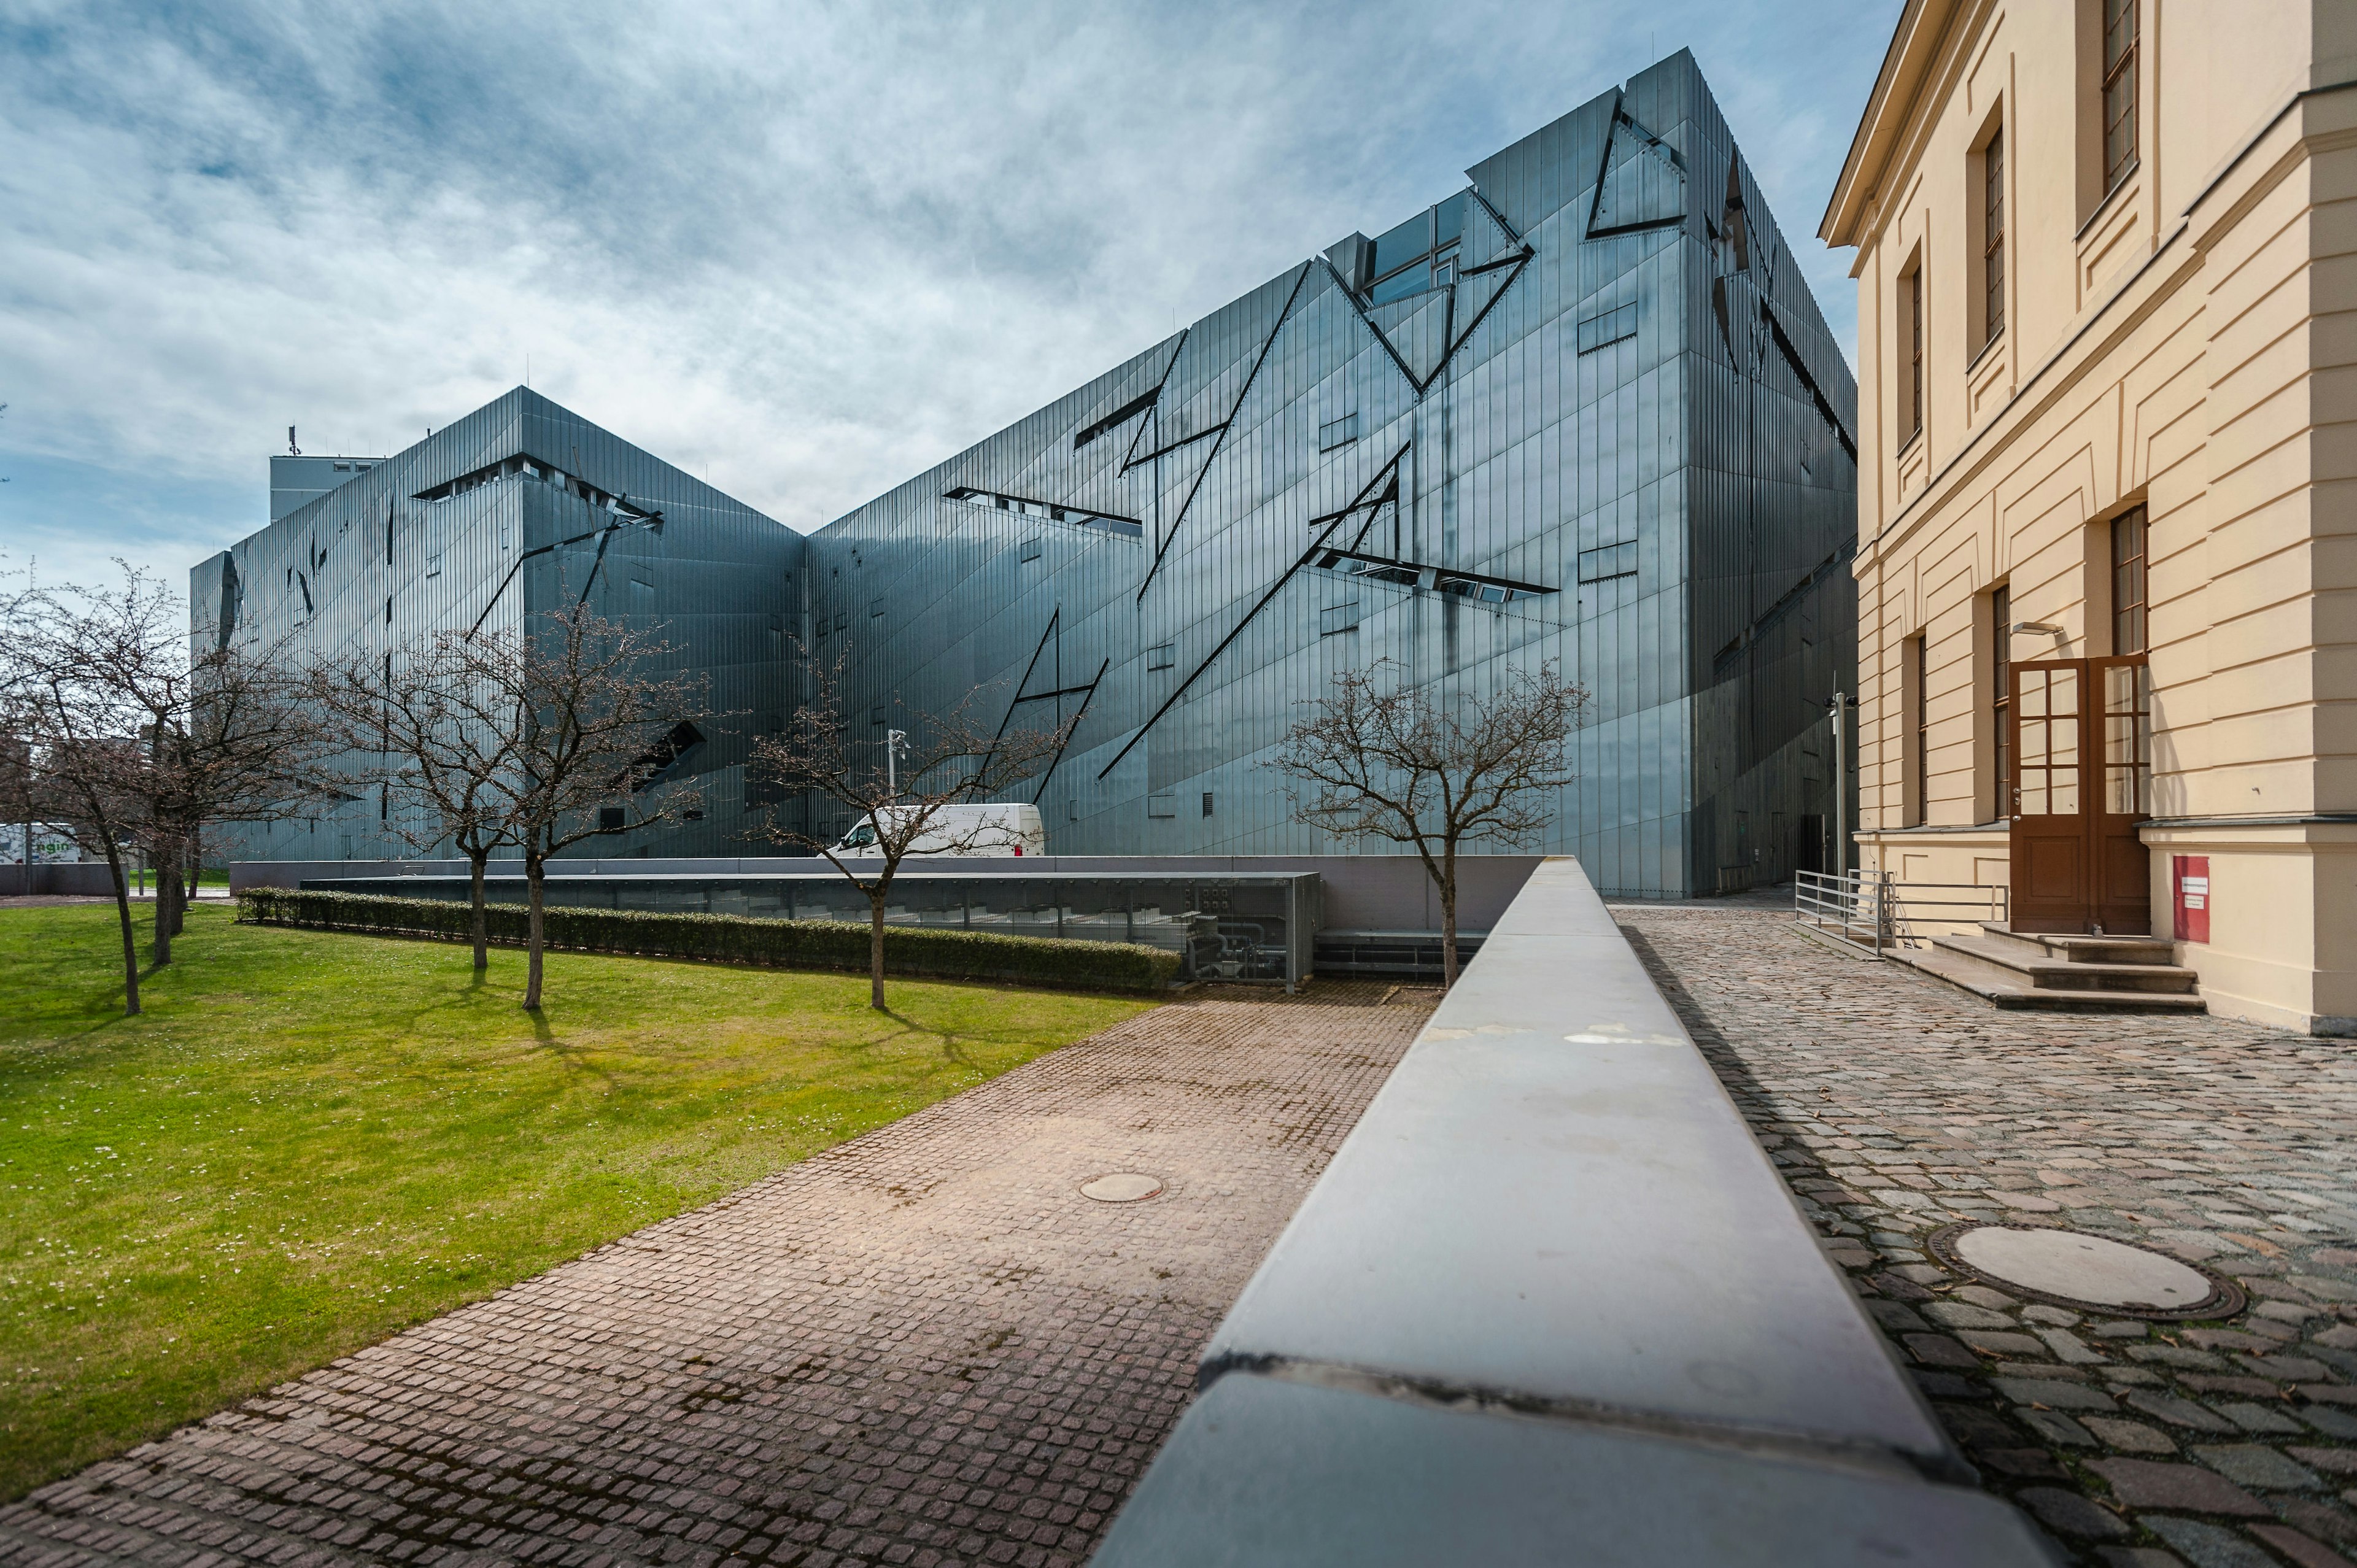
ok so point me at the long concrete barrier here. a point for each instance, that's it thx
(1551, 1302)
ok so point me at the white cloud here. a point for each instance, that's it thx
(811, 250)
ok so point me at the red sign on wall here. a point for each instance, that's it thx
(2188, 878)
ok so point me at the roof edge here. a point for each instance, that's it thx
(1914, 45)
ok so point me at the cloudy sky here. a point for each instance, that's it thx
(805, 251)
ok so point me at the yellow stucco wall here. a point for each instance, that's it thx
(2186, 341)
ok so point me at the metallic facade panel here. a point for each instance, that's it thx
(1169, 556)
(1703, 438)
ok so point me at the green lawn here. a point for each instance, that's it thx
(312, 1140)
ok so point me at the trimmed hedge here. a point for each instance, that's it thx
(917, 951)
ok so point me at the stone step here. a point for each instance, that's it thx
(2002, 986)
(2032, 967)
(2071, 948)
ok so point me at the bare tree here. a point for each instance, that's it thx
(1379, 758)
(74, 672)
(243, 743)
(898, 788)
(596, 721)
(145, 739)
(441, 744)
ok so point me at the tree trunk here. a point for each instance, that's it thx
(130, 943)
(1449, 917)
(533, 868)
(476, 922)
(166, 875)
(876, 950)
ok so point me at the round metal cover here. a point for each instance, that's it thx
(1123, 1186)
(2071, 1268)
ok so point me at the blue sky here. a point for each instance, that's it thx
(805, 251)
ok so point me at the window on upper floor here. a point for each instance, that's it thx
(2119, 90)
(1993, 238)
(1419, 255)
(1910, 352)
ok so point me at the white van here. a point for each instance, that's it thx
(1000, 828)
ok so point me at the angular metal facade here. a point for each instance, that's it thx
(521, 505)
(1584, 411)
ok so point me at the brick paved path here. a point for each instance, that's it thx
(924, 1347)
(1894, 1104)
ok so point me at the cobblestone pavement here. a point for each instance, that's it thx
(1895, 1104)
(923, 1347)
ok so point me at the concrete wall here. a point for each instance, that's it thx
(1551, 1302)
(87, 878)
(2178, 342)
(1389, 893)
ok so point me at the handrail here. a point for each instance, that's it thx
(1874, 912)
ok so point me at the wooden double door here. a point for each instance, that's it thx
(2080, 734)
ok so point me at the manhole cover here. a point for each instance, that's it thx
(2071, 1268)
(1122, 1187)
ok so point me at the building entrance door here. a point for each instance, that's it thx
(2082, 743)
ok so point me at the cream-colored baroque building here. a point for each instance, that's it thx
(2107, 534)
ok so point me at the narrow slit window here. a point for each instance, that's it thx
(2119, 90)
(1993, 239)
(2129, 596)
(1915, 352)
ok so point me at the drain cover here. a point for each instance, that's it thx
(1122, 1187)
(2071, 1268)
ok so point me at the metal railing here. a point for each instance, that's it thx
(1874, 912)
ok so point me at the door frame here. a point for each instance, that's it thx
(2094, 874)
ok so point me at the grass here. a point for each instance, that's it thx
(312, 1140)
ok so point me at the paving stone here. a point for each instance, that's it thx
(2177, 1355)
(2004, 1344)
(2181, 1134)
(2299, 1546)
(1963, 1315)
(1981, 1296)
(2250, 1387)
(2178, 1411)
(1940, 1350)
(1950, 1386)
(2070, 1348)
(2131, 1437)
(2254, 1464)
(2338, 1460)
(2326, 1521)
(2150, 1484)
(2053, 1394)
(2287, 1368)
(2137, 1557)
(2057, 1428)
(1977, 1428)
(2023, 1464)
(2257, 1417)
(2071, 1513)
(925, 1337)
(2208, 1545)
(1895, 1316)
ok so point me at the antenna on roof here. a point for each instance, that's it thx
(292, 450)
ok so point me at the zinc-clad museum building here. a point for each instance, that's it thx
(1583, 411)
